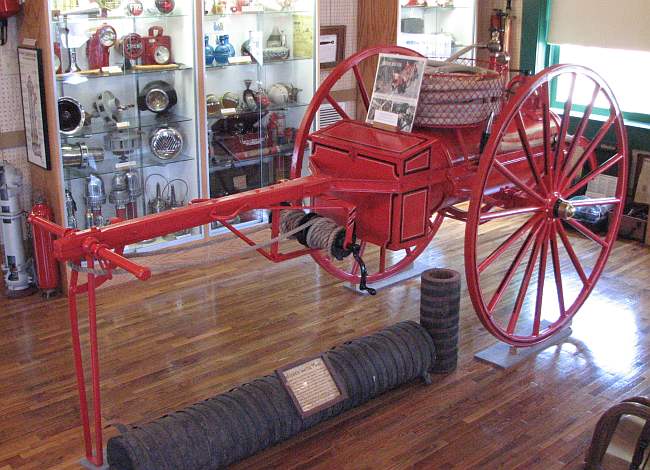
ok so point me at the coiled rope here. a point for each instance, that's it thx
(323, 234)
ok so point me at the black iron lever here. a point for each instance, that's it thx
(363, 286)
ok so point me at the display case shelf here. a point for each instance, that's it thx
(255, 64)
(131, 123)
(270, 109)
(435, 8)
(74, 77)
(69, 18)
(270, 13)
(221, 166)
(108, 166)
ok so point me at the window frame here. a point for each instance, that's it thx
(553, 57)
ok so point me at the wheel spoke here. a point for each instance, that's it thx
(546, 120)
(337, 107)
(557, 269)
(583, 125)
(517, 181)
(566, 119)
(362, 87)
(587, 154)
(521, 130)
(523, 288)
(541, 278)
(586, 232)
(592, 174)
(505, 282)
(507, 243)
(572, 254)
(509, 213)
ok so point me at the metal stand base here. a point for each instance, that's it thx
(85, 463)
(417, 268)
(505, 356)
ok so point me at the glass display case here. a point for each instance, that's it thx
(126, 95)
(260, 75)
(437, 28)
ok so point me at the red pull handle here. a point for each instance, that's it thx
(120, 261)
(102, 252)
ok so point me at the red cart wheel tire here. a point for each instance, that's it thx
(381, 263)
(563, 258)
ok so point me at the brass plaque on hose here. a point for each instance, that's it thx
(313, 385)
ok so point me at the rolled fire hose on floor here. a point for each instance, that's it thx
(234, 425)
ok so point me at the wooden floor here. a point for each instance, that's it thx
(186, 336)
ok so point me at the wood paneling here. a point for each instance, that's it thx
(377, 26)
(188, 335)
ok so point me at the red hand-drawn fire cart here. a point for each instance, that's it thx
(387, 193)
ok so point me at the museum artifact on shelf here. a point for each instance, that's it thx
(125, 89)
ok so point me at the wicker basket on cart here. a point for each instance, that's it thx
(458, 94)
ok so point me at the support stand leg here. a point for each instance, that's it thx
(505, 356)
(94, 460)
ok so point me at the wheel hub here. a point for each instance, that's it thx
(564, 210)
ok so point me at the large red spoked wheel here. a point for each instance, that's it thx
(531, 264)
(381, 262)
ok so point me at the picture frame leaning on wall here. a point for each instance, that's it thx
(30, 63)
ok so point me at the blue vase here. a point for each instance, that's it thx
(209, 52)
(223, 50)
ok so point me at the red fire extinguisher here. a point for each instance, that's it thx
(46, 265)
(8, 8)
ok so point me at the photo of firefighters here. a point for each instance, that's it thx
(396, 91)
(404, 113)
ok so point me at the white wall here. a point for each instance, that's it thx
(11, 109)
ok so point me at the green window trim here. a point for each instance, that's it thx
(553, 57)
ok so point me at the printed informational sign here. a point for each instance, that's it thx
(312, 386)
(396, 91)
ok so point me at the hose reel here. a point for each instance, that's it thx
(325, 234)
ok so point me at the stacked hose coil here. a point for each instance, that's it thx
(439, 315)
(458, 94)
(321, 234)
(234, 425)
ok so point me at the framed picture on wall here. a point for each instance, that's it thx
(30, 61)
(641, 168)
(331, 46)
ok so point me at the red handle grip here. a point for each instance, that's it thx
(120, 261)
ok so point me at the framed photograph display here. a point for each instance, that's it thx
(642, 178)
(30, 62)
(396, 91)
(331, 46)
